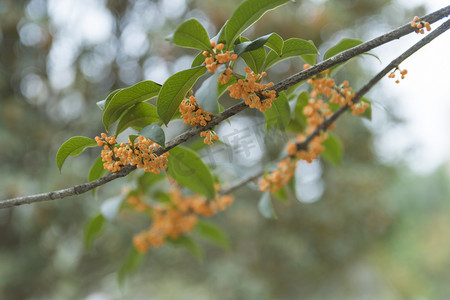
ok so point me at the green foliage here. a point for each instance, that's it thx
(155, 133)
(103, 103)
(212, 233)
(272, 40)
(192, 34)
(333, 149)
(188, 169)
(254, 59)
(343, 45)
(125, 98)
(190, 245)
(174, 90)
(93, 229)
(73, 146)
(130, 265)
(207, 93)
(244, 16)
(138, 116)
(291, 48)
(279, 114)
(368, 113)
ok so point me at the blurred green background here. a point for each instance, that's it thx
(360, 230)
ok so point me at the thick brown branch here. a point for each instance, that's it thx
(282, 85)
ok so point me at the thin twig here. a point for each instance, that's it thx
(358, 95)
(282, 85)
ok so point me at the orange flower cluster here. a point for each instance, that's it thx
(170, 221)
(280, 177)
(192, 113)
(248, 88)
(217, 57)
(419, 24)
(315, 148)
(339, 94)
(402, 73)
(225, 76)
(210, 136)
(139, 154)
(316, 112)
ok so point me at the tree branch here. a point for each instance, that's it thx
(358, 95)
(282, 85)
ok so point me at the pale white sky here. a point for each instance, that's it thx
(422, 99)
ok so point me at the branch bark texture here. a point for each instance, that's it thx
(281, 86)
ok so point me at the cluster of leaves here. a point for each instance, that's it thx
(128, 108)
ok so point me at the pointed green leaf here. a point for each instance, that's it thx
(254, 59)
(174, 90)
(198, 60)
(186, 167)
(154, 133)
(281, 194)
(291, 48)
(139, 115)
(103, 103)
(130, 265)
(73, 146)
(128, 97)
(212, 233)
(207, 93)
(273, 41)
(245, 15)
(189, 244)
(265, 206)
(343, 45)
(279, 114)
(309, 58)
(97, 169)
(191, 34)
(93, 229)
(333, 149)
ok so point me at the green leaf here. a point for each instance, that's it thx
(93, 229)
(186, 167)
(191, 34)
(245, 15)
(281, 195)
(298, 123)
(309, 58)
(291, 48)
(154, 133)
(189, 244)
(148, 179)
(130, 264)
(174, 90)
(212, 233)
(128, 97)
(265, 206)
(333, 149)
(97, 169)
(139, 115)
(73, 146)
(279, 114)
(103, 103)
(273, 41)
(206, 94)
(343, 45)
(198, 60)
(254, 59)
